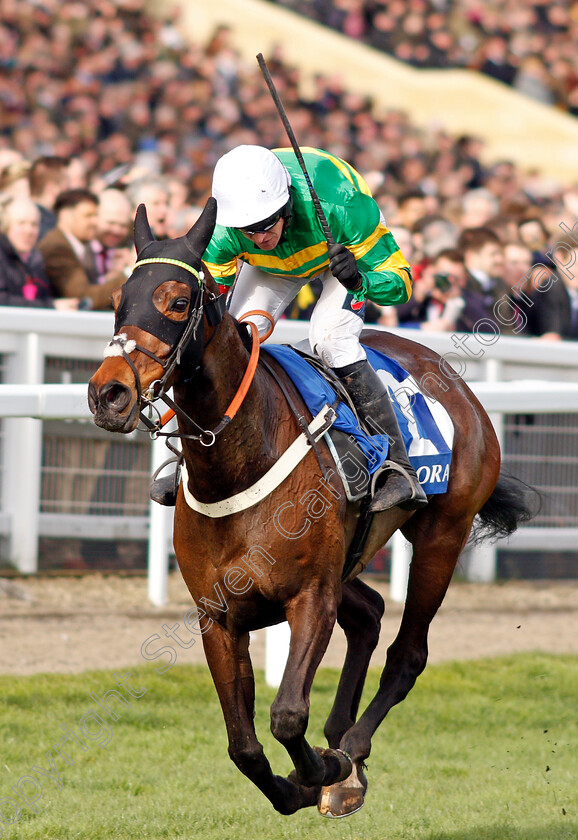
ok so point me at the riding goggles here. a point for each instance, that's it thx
(265, 225)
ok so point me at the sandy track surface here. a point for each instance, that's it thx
(71, 624)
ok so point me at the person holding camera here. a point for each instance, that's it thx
(438, 299)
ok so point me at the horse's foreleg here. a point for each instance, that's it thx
(359, 614)
(232, 672)
(311, 616)
(437, 543)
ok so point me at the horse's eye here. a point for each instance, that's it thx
(179, 304)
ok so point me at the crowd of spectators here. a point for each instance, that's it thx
(530, 45)
(103, 107)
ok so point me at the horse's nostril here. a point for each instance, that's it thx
(114, 396)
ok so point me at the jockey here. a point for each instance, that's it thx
(268, 243)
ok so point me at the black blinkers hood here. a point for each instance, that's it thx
(136, 307)
(158, 261)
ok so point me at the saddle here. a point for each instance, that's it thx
(350, 460)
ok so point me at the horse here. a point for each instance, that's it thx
(282, 556)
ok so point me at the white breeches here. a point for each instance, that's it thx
(334, 328)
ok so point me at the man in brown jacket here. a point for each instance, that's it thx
(68, 257)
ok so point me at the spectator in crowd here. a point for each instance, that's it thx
(14, 180)
(468, 152)
(478, 207)
(23, 280)
(68, 255)
(411, 206)
(516, 309)
(494, 61)
(112, 246)
(505, 226)
(77, 176)
(432, 234)
(483, 259)
(533, 233)
(153, 192)
(9, 157)
(532, 78)
(556, 294)
(47, 178)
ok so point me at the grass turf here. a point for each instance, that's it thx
(482, 750)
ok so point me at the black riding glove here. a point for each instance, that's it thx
(343, 265)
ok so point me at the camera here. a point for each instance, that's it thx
(442, 282)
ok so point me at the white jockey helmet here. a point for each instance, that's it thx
(250, 184)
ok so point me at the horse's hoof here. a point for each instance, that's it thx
(343, 798)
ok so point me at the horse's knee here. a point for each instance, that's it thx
(249, 758)
(289, 723)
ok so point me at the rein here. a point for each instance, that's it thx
(249, 373)
(231, 411)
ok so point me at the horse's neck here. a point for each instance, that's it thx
(241, 447)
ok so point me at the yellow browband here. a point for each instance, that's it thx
(199, 275)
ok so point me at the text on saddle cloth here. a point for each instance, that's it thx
(425, 424)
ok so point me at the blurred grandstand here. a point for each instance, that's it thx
(108, 84)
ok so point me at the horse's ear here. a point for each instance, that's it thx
(200, 234)
(116, 296)
(143, 234)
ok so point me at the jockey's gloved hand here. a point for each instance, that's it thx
(343, 265)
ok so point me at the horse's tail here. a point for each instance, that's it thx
(512, 502)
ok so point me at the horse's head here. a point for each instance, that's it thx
(159, 322)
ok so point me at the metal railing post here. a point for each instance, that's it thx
(159, 535)
(401, 551)
(23, 448)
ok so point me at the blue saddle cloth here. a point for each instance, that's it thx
(425, 425)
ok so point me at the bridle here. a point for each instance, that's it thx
(188, 348)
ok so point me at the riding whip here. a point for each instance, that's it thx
(281, 111)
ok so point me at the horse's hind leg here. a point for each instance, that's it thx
(437, 541)
(359, 615)
(232, 672)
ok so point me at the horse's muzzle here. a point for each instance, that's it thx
(109, 405)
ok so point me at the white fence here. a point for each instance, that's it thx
(542, 378)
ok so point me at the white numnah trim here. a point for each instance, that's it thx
(271, 480)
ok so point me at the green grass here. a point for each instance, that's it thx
(478, 751)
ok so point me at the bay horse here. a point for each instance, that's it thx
(282, 557)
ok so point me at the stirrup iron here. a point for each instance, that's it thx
(400, 489)
(164, 490)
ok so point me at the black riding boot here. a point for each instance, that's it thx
(396, 483)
